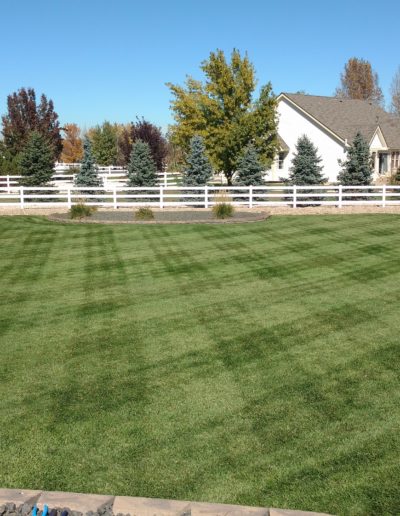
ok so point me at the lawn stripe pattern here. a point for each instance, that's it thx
(247, 363)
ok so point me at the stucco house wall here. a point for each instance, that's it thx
(294, 123)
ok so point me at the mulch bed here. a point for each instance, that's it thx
(161, 217)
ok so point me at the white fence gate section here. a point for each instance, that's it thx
(114, 195)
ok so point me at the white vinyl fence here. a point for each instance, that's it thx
(115, 196)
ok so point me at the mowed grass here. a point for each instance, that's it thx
(248, 363)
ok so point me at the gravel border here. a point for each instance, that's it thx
(270, 210)
(162, 217)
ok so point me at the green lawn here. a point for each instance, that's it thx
(254, 363)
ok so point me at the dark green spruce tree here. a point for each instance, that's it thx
(357, 168)
(36, 161)
(306, 168)
(250, 170)
(198, 169)
(88, 172)
(142, 169)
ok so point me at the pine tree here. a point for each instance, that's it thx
(87, 175)
(306, 168)
(104, 143)
(357, 169)
(198, 170)
(36, 161)
(142, 168)
(250, 170)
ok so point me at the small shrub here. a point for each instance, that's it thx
(144, 213)
(80, 210)
(223, 210)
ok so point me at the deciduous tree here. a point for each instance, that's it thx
(222, 110)
(36, 161)
(395, 93)
(152, 135)
(24, 115)
(124, 144)
(357, 168)
(360, 81)
(198, 169)
(72, 150)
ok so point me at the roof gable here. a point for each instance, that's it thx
(346, 117)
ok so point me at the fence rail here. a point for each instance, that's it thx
(115, 196)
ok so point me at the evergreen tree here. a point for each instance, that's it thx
(36, 161)
(142, 168)
(87, 175)
(104, 144)
(198, 170)
(357, 169)
(152, 135)
(306, 168)
(250, 170)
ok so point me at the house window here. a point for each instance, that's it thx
(395, 161)
(281, 160)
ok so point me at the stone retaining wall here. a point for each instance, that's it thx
(19, 502)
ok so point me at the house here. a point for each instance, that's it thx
(331, 124)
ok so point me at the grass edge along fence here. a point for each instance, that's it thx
(116, 196)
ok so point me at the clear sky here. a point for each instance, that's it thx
(110, 59)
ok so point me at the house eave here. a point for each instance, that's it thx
(315, 120)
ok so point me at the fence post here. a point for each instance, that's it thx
(206, 196)
(383, 196)
(294, 196)
(115, 197)
(21, 197)
(8, 184)
(161, 196)
(69, 197)
(340, 196)
(250, 196)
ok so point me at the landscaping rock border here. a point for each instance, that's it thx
(122, 216)
(15, 502)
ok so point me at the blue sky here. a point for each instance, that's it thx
(110, 59)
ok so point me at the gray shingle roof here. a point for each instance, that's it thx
(283, 146)
(345, 117)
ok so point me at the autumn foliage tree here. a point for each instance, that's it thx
(395, 93)
(222, 109)
(151, 134)
(72, 148)
(359, 81)
(24, 115)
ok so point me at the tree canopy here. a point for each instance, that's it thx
(72, 148)
(357, 168)
(223, 111)
(152, 135)
(142, 168)
(36, 161)
(359, 81)
(395, 93)
(88, 173)
(24, 115)
(250, 170)
(104, 143)
(198, 169)
(306, 168)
